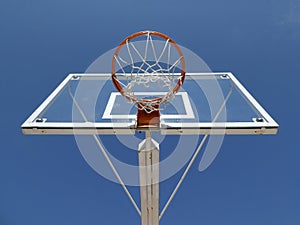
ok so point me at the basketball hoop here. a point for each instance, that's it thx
(131, 68)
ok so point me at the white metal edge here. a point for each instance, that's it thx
(164, 131)
(47, 101)
(215, 131)
(218, 124)
(269, 127)
(108, 75)
(167, 128)
(79, 128)
(126, 124)
(252, 100)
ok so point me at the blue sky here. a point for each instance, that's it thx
(254, 180)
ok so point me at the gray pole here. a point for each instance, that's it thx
(149, 180)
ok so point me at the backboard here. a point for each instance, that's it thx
(207, 103)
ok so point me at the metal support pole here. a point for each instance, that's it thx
(183, 176)
(149, 180)
(96, 138)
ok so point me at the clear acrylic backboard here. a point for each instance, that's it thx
(207, 103)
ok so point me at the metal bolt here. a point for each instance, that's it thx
(39, 120)
(224, 76)
(259, 119)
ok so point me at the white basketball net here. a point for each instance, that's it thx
(147, 66)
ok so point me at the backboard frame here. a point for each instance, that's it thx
(267, 126)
